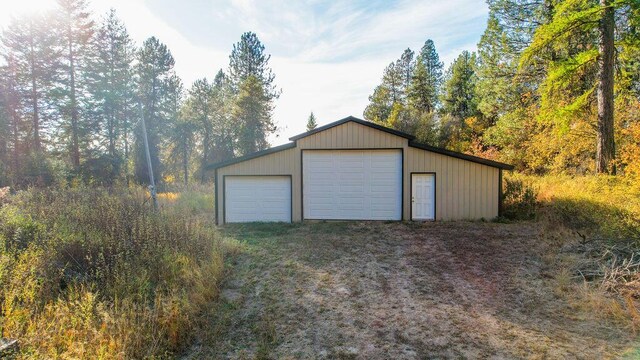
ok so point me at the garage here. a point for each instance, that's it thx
(257, 198)
(353, 169)
(352, 184)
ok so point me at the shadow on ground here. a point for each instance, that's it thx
(374, 290)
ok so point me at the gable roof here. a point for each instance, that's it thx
(412, 143)
(355, 120)
(411, 139)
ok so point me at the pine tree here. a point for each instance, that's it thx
(459, 89)
(155, 73)
(29, 49)
(606, 147)
(12, 124)
(75, 28)
(311, 122)
(249, 59)
(5, 133)
(426, 79)
(393, 78)
(253, 112)
(249, 69)
(460, 103)
(577, 74)
(198, 109)
(394, 88)
(179, 130)
(224, 128)
(507, 96)
(110, 86)
(509, 31)
(405, 67)
(182, 144)
(380, 104)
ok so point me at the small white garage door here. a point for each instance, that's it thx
(257, 198)
(352, 184)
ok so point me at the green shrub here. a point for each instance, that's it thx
(519, 200)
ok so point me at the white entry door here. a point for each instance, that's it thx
(352, 184)
(257, 198)
(423, 196)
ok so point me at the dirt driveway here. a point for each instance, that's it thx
(368, 290)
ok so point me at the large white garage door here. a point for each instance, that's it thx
(352, 184)
(257, 198)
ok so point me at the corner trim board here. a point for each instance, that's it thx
(215, 198)
(500, 194)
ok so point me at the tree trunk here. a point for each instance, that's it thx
(185, 165)
(4, 149)
(605, 153)
(13, 104)
(205, 155)
(34, 98)
(125, 125)
(16, 144)
(112, 134)
(75, 148)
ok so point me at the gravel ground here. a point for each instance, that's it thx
(370, 290)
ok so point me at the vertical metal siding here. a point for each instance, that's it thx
(464, 190)
(352, 135)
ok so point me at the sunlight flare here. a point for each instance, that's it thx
(22, 7)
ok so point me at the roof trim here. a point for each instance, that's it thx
(254, 155)
(462, 156)
(356, 120)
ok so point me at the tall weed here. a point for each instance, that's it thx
(95, 273)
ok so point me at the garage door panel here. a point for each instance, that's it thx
(257, 198)
(359, 185)
(352, 174)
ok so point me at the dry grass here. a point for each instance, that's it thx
(372, 290)
(88, 273)
(598, 206)
(591, 225)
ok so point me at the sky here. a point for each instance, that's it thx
(327, 55)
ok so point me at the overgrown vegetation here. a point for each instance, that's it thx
(87, 273)
(592, 227)
(597, 206)
(520, 201)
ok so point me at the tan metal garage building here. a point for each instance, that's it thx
(352, 169)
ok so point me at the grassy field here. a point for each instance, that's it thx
(95, 273)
